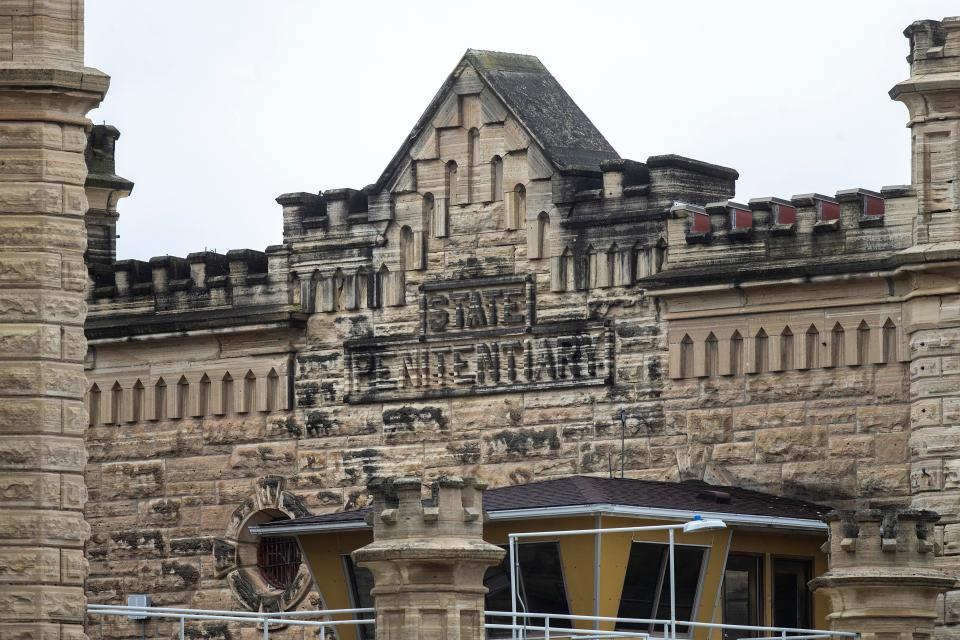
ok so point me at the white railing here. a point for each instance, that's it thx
(529, 626)
(266, 619)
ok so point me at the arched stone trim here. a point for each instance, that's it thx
(234, 555)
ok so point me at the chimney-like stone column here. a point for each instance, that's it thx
(882, 581)
(428, 561)
(45, 93)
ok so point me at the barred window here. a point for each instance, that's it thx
(278, 560)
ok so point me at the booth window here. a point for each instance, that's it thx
(742, 594)
(361, 583)
(278, 559)
(791, 598)
(646, 585)
(540, 586)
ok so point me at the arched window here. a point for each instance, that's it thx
(736, 354)
(496, 179)
(278, 560)
(786, 349)
(160, 400)
(203, 397)
(863, 343)
(659, 255)
(363, 290)
(273, 390)
(837, 339)
(812, 348)
(226, 391)
(569, 270)
(761, 352)
(889, 342)
(452, 183)
(543, 235)
(686, 357)
(183, 397)
(249, 392)
(612, 254)
(94, 399)
(517, 213)
(407, 253)
(116, 403)
(137, 401)
(338, 285)
(711, 356)
(428, 210)
(473, 168)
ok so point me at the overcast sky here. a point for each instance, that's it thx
(223, 105)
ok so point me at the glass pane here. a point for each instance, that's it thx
(791, 598)
(541, 584)
(741, 594)
(689, 565)
(361, 582)
(641, 583)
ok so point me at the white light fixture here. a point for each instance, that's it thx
(699, 524)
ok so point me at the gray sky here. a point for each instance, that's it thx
(225, 104)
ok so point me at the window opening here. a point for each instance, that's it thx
(278, 559)
(646, 585)
(742, 594)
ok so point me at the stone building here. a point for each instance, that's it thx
(512, 300)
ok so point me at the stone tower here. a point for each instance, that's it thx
(428, 561)
(882, 581)
(932, 309)
(45, 92)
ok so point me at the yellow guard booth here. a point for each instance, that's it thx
(754, 572)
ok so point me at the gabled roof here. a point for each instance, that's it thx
(538, 102)
(656, 497)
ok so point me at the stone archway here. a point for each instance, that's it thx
(235, 554)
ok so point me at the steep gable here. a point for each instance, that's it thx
(524, 89)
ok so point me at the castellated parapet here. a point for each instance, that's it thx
(428, 559)
(882, 581)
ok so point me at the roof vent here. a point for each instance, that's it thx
(713, 495)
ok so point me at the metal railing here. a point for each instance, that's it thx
(529, 626)
(266, 619)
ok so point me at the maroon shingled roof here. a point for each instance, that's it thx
(587, 490)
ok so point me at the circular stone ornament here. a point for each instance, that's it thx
(235, 554)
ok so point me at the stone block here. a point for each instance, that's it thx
(893, 448)
(883, 481)
(764, 416)
(520, 444)
(734, 453)
(42, 453)
(132, 479)
(883, 418)
(710, 425)
(822, 480)
(791, 443)
(852, 446)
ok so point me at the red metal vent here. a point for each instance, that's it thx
(784, 214)
(873, 206)
(827, 211)
(278, 560)
(700, 222)
(741, 218)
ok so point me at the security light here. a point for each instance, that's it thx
(699, 524)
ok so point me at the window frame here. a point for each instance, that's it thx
(761, 567)
(363, 631)
(661, 581)
(811, 568)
